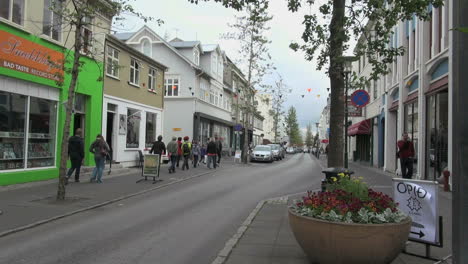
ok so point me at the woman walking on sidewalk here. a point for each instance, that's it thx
(100, 149)
(195, 153)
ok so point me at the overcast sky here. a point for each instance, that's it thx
(208, 20)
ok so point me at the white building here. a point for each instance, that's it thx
(265, 107)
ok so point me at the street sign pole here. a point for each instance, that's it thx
(459, 85)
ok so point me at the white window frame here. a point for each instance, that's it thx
(143, 41)
(169, 82)
(87, 43)
(10, 12)
(112, 62)
(135, 68)
(214, 63)
(152, 78)
(53, 16)
(196, 56)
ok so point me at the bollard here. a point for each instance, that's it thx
(446, 174)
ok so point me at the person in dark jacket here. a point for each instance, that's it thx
(100, 149)
(179, 150)
(219, 146)
(76, 154)
(172, 153)
(158, 147)
(212, 152)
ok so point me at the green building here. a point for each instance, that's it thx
(32, 102)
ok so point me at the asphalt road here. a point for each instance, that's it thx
(183, 223)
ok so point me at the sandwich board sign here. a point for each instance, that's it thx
(419, 200)
(151, 164)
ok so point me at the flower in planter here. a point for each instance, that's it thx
(350, 201)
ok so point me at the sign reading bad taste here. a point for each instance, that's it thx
(419, 199)
(25, 56)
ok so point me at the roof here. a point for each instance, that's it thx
(209, 47)
(184, 44)
(124, 36)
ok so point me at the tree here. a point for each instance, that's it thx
(250, 30)
(309, 138)
(293, 130)
(326, 36)
(78, 16)
(278, 99)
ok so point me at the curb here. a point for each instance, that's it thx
(48, 220)
(232, 242)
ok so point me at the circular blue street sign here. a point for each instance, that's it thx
(238, 127)
(360, 98)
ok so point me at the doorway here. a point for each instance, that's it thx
(110, 131)
(79, 122)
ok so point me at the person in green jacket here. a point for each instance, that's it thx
(186, 151)
(172, 152)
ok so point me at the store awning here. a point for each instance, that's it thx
(361, 128)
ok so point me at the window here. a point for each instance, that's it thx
(375, 89)
(212, 100)
(196, 56)
(87, 34)
(133, 128)
(12, 10)
(36, 148)
(150, 135)
(172, 86)
(411, 127)
(220, 67)
(112, 67)
(203, 91)
(134, 72)
(214, 63)
(152, 79)
(146, 47)
(52, 22)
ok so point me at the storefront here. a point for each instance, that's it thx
(212, 127)
(411, 119)
(437, 123)
(362, 131)
(33, 87)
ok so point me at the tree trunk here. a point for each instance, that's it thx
(337, 109)
(69, 106)
(245, 148)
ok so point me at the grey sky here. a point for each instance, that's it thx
(208, 20)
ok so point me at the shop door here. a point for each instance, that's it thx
(79, 117)
(110, 130)
(79, 122)
(437, 135)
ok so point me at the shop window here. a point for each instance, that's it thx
(112, 67)
(172, 86)
(150, 135)
(41, 145)
(152, 79)
(52, 21)
(12, 126)
(134, 72)
(12, 10)
(133, 128)
(436, 135)
(411, 127)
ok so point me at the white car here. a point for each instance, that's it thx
(262, 153)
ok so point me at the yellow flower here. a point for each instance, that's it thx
(334, 179)
(341, 174)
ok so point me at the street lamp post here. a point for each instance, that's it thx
(347, 69)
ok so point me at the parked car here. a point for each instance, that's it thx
(290, 150)
(262, 153)
(277, 151)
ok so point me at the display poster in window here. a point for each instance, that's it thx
(25, 56)
(122, 124)
(151, 165)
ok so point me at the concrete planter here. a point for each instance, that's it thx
(339, 243)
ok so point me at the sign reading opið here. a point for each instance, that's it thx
(22, 55)
(418, 199)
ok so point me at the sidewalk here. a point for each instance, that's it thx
(265, 237)
(34, 203)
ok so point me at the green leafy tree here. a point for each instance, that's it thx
(309, 138)
(78, 16)
(326, 37)
(293, 130)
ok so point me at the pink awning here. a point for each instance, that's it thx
(361, 128)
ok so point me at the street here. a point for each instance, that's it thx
(187, 222)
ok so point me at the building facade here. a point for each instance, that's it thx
(413, 98)
(133, 101)
(34, 87)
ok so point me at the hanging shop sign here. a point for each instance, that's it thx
(419, 199)
(25, 56)
(354, 111)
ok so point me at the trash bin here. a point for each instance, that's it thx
(333, 172)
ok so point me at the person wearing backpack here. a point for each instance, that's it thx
(186, 151)
(100, 149)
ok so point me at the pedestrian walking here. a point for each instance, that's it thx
(76, 154)
(100, 149)
(186, 152)
(179, 150)
(158, 148)
(406, 155)
(195, 153)
(203, 154)
(212, 152)
(172, 152)
(219, 148)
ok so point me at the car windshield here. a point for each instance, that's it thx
(274, 147)
(262, 148)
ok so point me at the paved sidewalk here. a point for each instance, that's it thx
(32, 204)
(267, 238)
